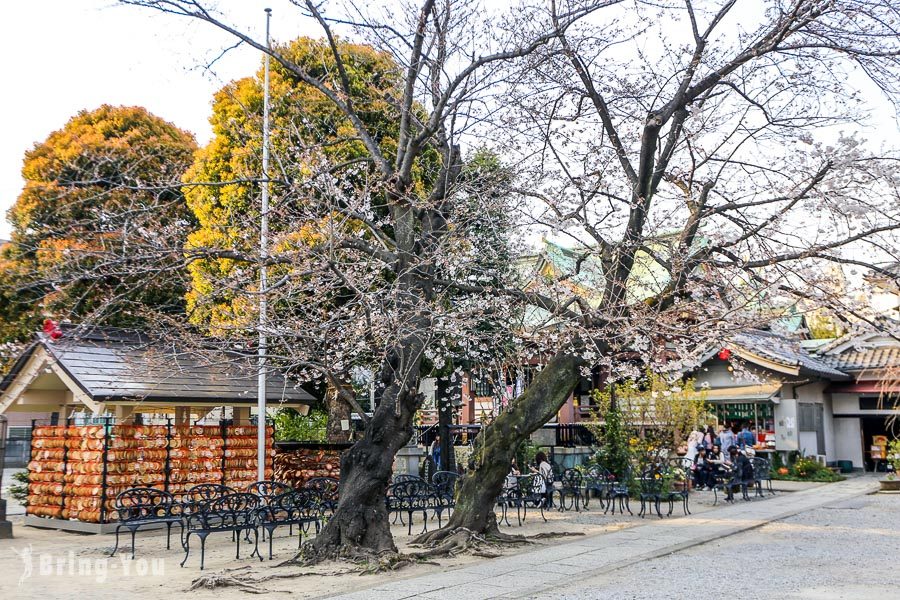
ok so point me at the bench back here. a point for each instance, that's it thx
(138, 504)
(267, 490)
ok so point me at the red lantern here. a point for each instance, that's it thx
(724, 354)
(55, 334)
(50, 325)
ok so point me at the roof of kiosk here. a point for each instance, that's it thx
(109, 364)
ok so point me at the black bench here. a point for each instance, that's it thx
(298, 508)
(571, 484)
(527, 490)
(326, 492)
(146, 507)
(414, 496)
(236, 513)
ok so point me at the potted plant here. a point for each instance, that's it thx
(890, 483)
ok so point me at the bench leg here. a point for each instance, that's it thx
(168, 535)
(116, 547)
(202, 548)
(187, 547)
(133, 532)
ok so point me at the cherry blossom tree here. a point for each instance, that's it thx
(709, 159)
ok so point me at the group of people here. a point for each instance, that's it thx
(723, 454)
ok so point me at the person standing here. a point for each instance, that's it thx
(710, 437)
(727, 439)
(436, 452)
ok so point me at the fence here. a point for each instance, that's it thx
(566, 435)
(76, 471)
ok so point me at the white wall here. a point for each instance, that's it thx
(848, 441)
(807, 443)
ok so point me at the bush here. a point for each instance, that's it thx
(19, 491)
(807, 469)
(291, 426)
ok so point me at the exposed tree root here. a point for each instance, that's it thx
(248, 583)
(554, 534)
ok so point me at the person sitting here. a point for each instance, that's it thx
(511, 477)
(703, 470)
(741, 470)
(545, 470)
(716, 464)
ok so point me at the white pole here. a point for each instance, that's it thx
(263, 255)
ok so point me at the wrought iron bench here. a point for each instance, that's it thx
(138, 508)
(727, 481)
(679, 470)
(762, 475)
(236, 513)
(200, 494)
(444, 483)
(326, 492)
(571, 483)
(267, 490)
(596, 480)
(414, 496)
(298, 508)
(651, 491)
(619, 490)
(529, 490)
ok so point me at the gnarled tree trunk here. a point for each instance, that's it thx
(338, 412)
(498, 442)
(360, 522)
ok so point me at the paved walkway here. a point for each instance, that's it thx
(537, 573)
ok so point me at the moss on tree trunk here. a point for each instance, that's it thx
(360, 522)
(497, 444)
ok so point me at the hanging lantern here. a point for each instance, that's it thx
(724, 354)
(50, 325)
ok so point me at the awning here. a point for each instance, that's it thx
(744, 393)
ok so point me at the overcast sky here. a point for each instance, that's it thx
(62, 56)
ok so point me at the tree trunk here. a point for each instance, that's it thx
(360, 522)
(497, 444)
(338, 411)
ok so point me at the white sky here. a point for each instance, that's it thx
(62, 56)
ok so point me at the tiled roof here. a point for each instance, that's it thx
(110, 363)
(860, 360)
(785, 351)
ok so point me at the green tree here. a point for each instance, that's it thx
(100, 190)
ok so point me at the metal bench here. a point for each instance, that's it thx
(298, 508)
(762, 475)
(236, 513)
(414, 496)
(138, 508)
(326, 492)
(570, 488)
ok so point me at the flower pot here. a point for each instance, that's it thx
(890, 485)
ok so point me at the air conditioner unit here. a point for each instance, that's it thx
(820, 458)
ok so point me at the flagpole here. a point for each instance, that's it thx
(263, 255)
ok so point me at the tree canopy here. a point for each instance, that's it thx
(98, 191)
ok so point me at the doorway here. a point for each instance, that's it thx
(870, 427)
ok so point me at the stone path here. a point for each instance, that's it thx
(537, 573)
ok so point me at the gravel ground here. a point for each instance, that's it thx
(845, 551)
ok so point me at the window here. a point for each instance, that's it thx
(806, 417)
(870, 403)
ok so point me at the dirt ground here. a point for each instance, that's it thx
(47, 564)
